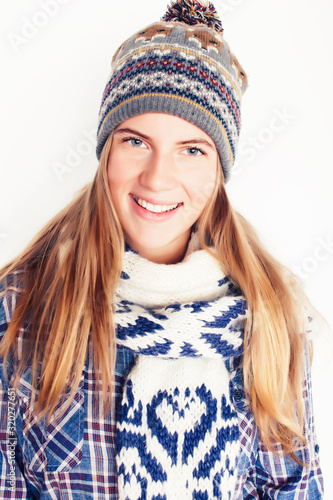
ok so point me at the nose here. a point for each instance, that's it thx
(158, 173)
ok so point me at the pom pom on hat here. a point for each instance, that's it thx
(194, 12)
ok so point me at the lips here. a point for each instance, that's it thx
(154, 207)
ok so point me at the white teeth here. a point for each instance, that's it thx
(154, 208)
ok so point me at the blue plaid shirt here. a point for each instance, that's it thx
(74, 458)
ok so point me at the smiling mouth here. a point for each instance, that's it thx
(156, 209)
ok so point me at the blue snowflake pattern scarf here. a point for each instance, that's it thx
(177, 428)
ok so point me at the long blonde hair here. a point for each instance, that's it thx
(68, 275)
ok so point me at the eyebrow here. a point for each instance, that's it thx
(181, 143)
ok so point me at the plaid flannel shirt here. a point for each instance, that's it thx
(74, 458)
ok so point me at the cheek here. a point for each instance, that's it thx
(202, 189)
(117, 172)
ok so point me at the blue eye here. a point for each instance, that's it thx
(195, 152)
(134, 141)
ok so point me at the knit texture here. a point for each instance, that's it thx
(177, 428)
(182, 66)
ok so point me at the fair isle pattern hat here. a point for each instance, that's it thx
(182, 66)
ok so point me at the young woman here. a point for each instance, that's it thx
(151, 347)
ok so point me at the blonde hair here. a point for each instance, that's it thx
(273, 362)
(68, 275)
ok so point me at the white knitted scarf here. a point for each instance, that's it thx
(177, 428)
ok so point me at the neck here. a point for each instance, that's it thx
(173, 253)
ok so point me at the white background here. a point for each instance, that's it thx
(55, 67)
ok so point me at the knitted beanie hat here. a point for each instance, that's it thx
(182, 66)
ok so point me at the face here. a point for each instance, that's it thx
(161, 173)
